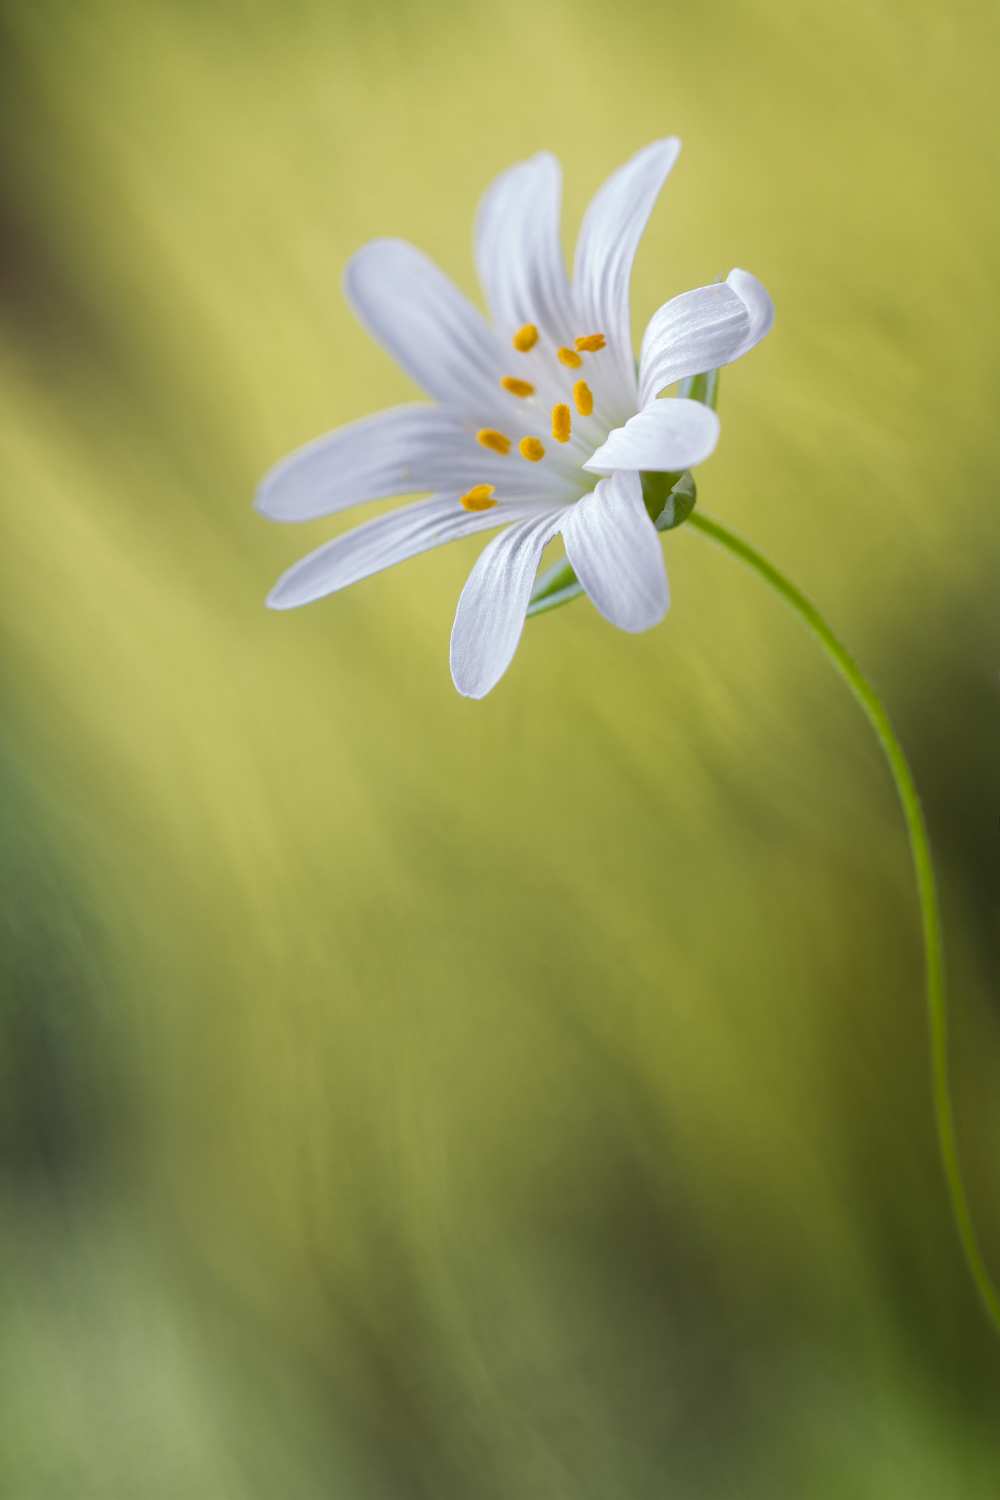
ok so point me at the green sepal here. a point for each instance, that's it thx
(703, 388)
(670, 498)
(556, 586)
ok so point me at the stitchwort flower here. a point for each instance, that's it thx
(539, 423)
(542, 424)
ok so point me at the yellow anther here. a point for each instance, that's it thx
(561, 425)
(589, 343)
(521, 388)
(531, 449)
(525, 338)
(492, 439)
(583, 398)
(480, 497)
(570, 357)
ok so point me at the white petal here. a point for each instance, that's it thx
(609, 237)
(616, 553)
(666, 435)
(425, 323)
(402, 451)
(758, 304)
(697, 331)
(702, 330)
(379, 544)
(491, 609)
(395, 452)
(519, 252)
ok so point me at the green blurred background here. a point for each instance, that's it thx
(407, 1097)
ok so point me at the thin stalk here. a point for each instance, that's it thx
(930, 915)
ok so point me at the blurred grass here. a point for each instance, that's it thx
(410, 1097)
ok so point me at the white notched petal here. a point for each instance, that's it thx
(697, 331)
(615, 551)
(666, 435)
(380, 544)
(425, 323)
(402, 451)
(702, 330)
(757, 301)
(492, 606)
(609, 237)
(519, 252)
(395, 452)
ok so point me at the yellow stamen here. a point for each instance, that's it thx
(492, 439)
(480, 497)
(531, 449)
(589, 343)
(525, 338)
(570, 357)
(583, 398)
(521, 388)
(561, 425)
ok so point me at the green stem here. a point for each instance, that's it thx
(926, 891)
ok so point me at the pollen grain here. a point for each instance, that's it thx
(525, 338)
(583, 398)
(589, 343)
(570, 358)
(520, 388)
(561, 424)
(497, 442)
(531, 449)
(480, 497)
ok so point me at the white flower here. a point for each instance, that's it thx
(527, 414)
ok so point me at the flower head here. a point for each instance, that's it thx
(539, 422)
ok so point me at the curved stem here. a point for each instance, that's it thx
(926, 891)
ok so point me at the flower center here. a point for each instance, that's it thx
(530, 447)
